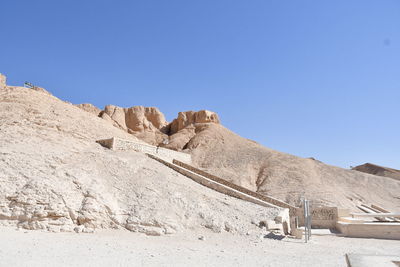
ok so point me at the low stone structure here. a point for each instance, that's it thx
(372, 260)
(265, 198)
(369, 229)
(282, 221)
(376, 222)
(164, 153)
(3, 80)
(321, 217)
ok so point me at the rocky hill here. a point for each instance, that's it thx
(221, 152)
(54, 176)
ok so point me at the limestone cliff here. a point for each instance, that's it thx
(188, 118)
(147, 123)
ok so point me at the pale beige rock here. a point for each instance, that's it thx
(3, 81)
(117, 114)
(191, 117)
(178, 140)
(147, 123)
(89, 108)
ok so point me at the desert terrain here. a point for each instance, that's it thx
(56, 177)
(221, 152)
(123, 248)
(106, 207)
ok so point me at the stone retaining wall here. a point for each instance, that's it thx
(265, 198)
(164, 153)
(370, 230)
(213, 184)
(321, 217)
(284, 218)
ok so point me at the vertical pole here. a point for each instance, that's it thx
(309, 220)
(305, 220)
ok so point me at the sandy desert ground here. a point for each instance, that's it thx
(124, 248)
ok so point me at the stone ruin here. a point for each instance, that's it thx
(3, 80)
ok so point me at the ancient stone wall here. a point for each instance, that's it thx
(285, 219)
(2, 81)
(164, 153)
(213, 184)
(321, 217)
(265, 198)
(370, 230)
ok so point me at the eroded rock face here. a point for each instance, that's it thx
(191, 117)
(137, 118)
(89, 108)
(147, 123)
(141, 118)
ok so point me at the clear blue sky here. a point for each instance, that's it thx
(311, 78)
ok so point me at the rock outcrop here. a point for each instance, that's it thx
(147, 123)
(188, 118)
(150, 125)
(89, 108)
